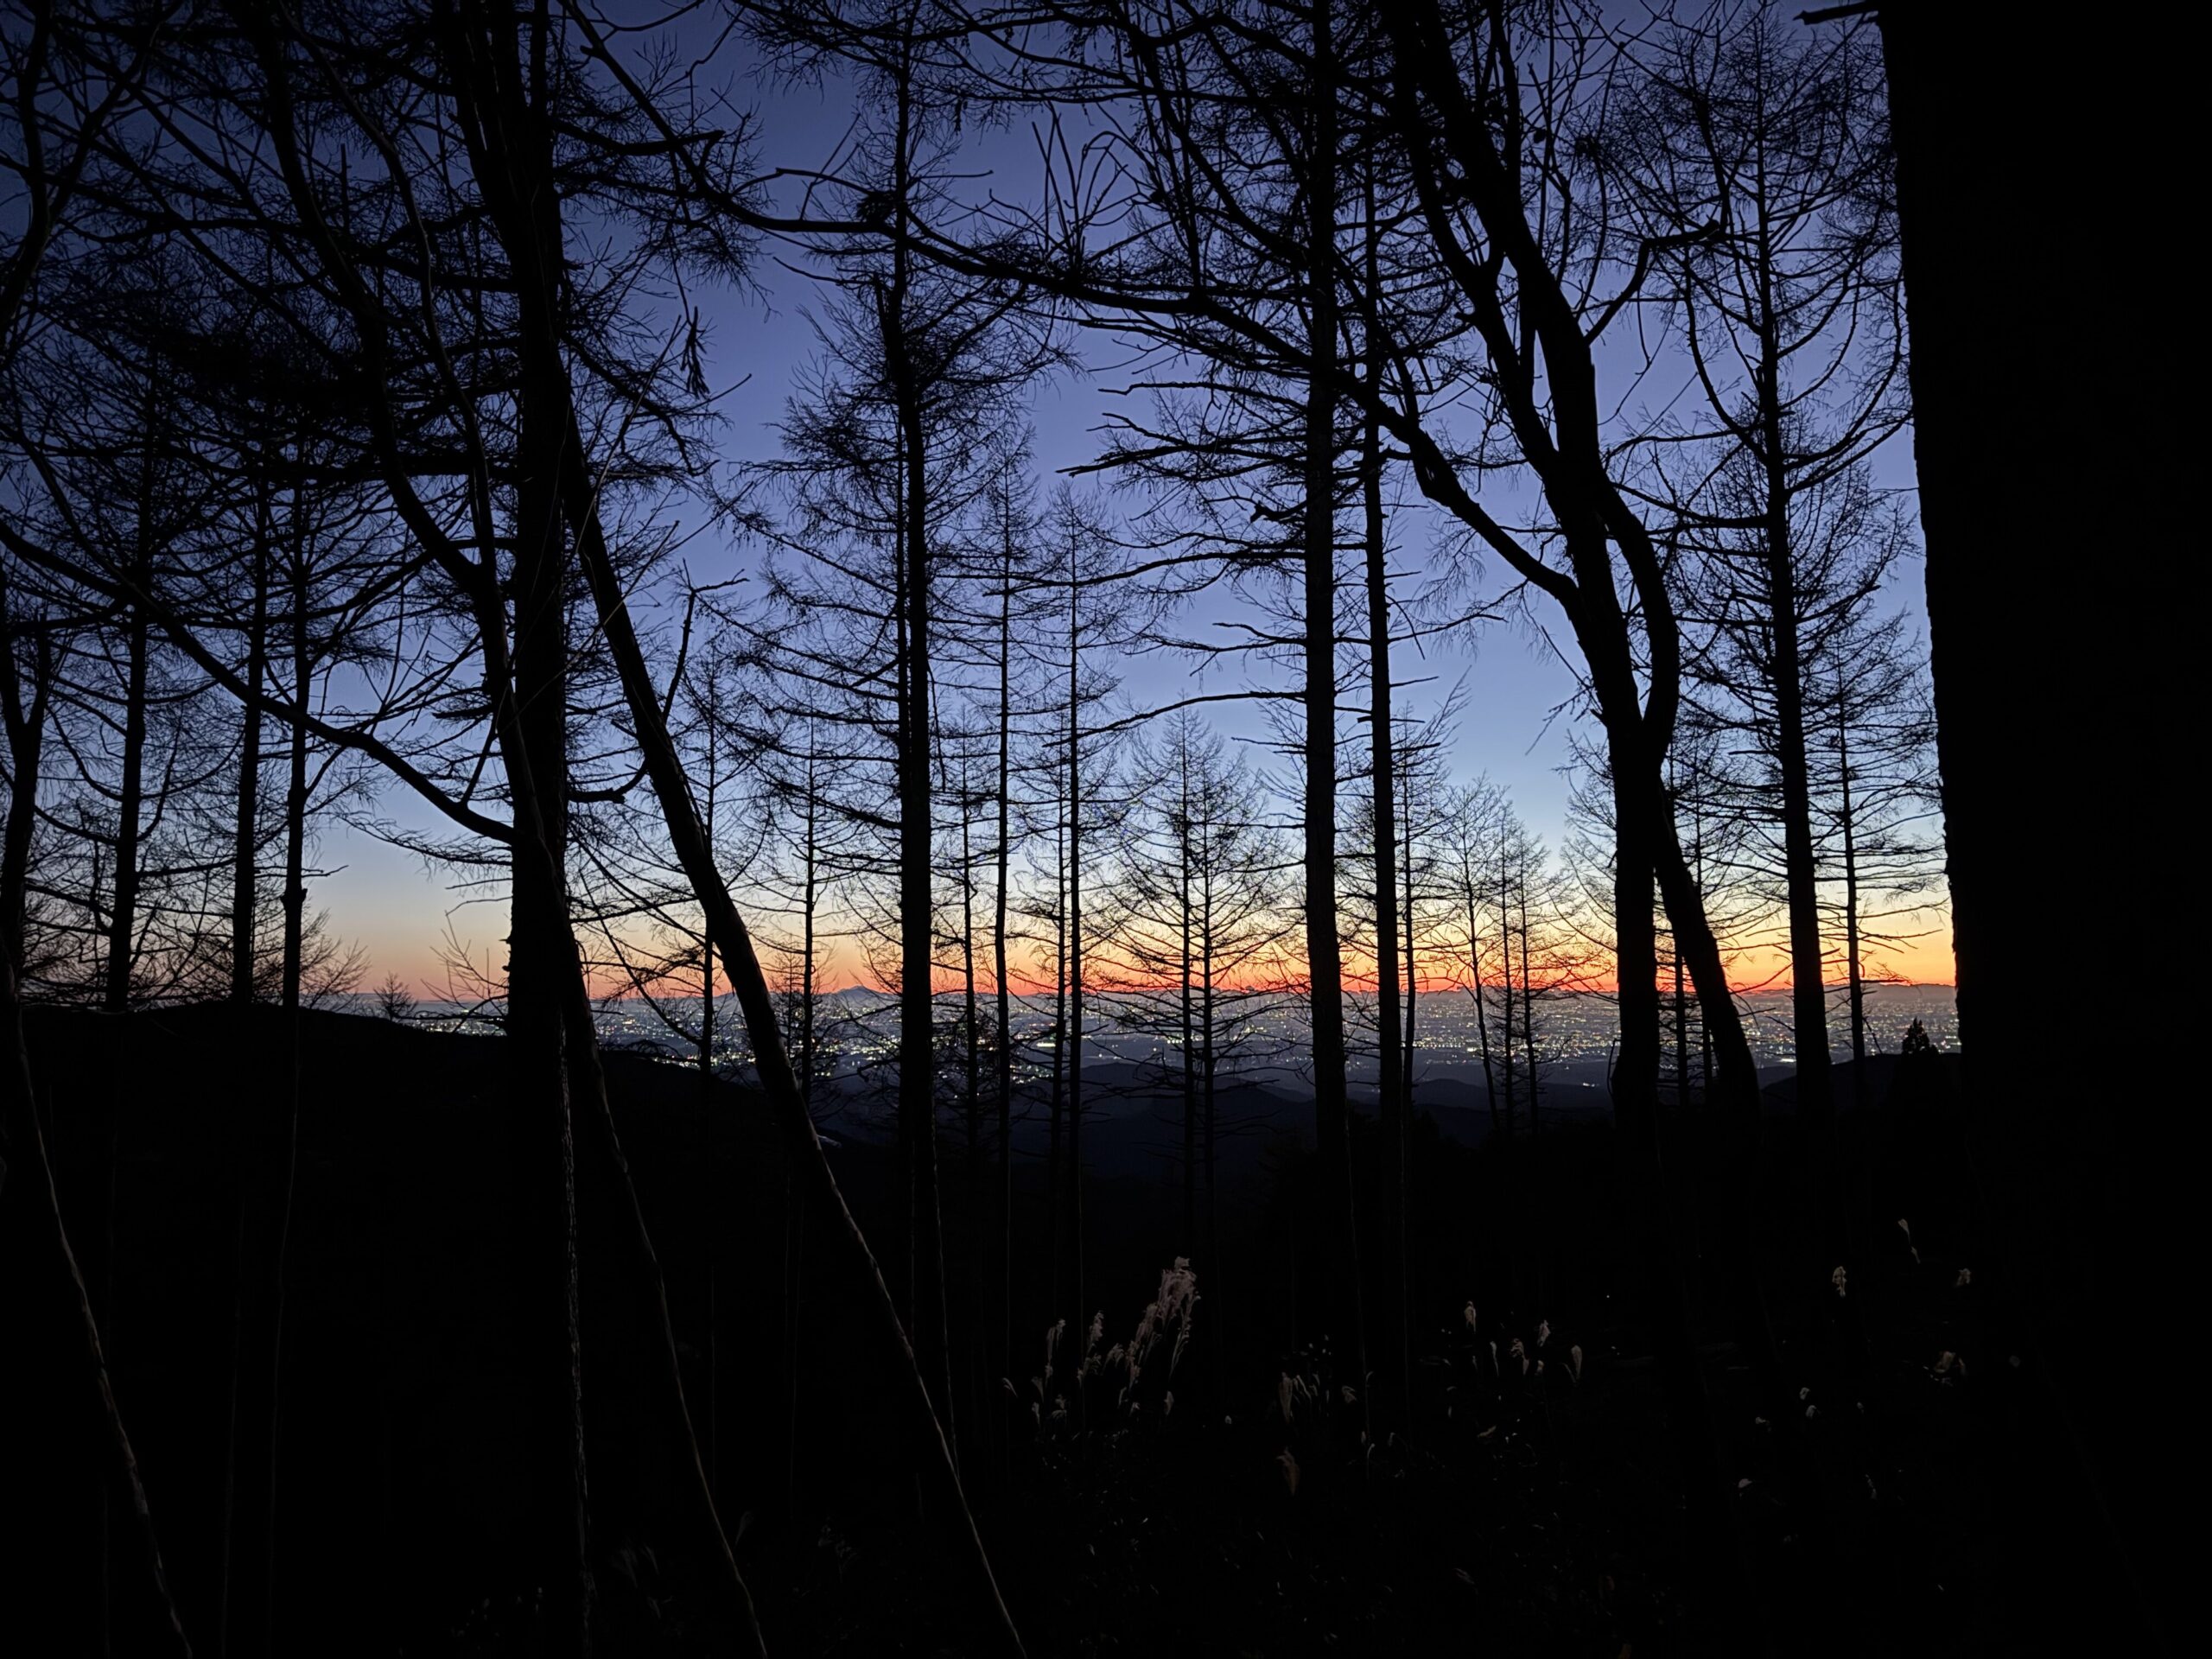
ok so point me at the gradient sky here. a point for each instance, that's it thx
(400, 912)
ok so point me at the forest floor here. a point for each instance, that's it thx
(1558, 1531)
(1508, 1513)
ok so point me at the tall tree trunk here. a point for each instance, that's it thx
(1390, 1082)
(541, 1095)
(1001, 897)
(246, 843)
(1055, 1148)
(1076, 999)
(1186, 996)
(267, 1159)
(810, 899)
(122, 917)
(1529, 1008)
(26, 727)
(1210, 1100)
(1847, 821)
(1636, 1101)
(1682, 1030)
(2090, 1215)
(706, 943)
(795, 1301)
(1481, 1013)
(971, 1118)
(1345, 1315)
(1407, 916)
(295, 897)
(1809, 1001)
(917, 805)
(1506, 1051)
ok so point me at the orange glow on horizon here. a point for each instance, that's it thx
(1924, 962)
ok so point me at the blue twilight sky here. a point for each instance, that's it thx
(389, 902)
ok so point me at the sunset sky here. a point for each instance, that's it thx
(1514, 685)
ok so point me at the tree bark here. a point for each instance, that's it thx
(1391, 1085)
(1076, 1001)
(917, 805)
(1809, 1002)
(246, 843)
(1847, 822)
(26, 726)
(2091, 1214)
(1346, 1316)
(1002, 895)
(295, 897)
(122, 916)
(1636, 1101)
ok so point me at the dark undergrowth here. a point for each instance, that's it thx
(1511, 1501)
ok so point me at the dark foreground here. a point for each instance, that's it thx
(1494, 1509)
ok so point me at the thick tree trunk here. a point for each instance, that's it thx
(2091, 1215)
(1636, 1101)
(541, 1102)
(918, 951)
